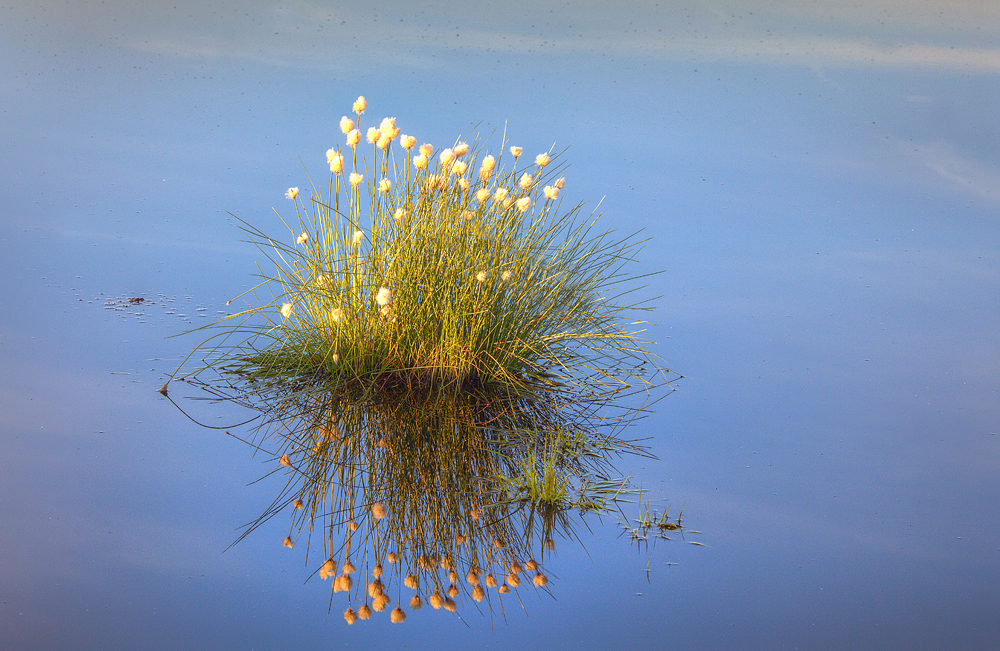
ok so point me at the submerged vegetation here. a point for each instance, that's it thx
(441, 366)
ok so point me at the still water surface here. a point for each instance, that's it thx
(820, 190)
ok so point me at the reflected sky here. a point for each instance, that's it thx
(819, 183)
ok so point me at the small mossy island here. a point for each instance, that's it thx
(442, 367)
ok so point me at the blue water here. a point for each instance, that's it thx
(819, 186)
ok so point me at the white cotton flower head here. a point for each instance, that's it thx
(560, 183)
(336, 161)
(388, 127)
(420, 161)
(408, 142)
(508, 202)
(461, 149)
(336, 314)
(286, 310)
(542, 160)
(373, 135)
(357, 237)
(481, 276)
(384, 185)
(458, 169)
(464, 183)
(486, 169)
(302, 239)
(353, 138)
(291, 193)
(523, 203)
(384, 141)
(360, 105)
(505, 276)
(346, 124)
(500, 195)
(336, 358)
(516, 151)
(526, 181)
(383, 297)
(447, 157)
(426, 150)
(482, 194)
(400, 213)
(550, 192)
(356, 179)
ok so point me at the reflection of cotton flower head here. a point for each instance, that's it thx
(416, 603)
(526, 181)
(540, 580)
(286, 310)
(450, 605)
(397, 616)
(482, 194)
(447, 563)
(302, 239)
(472, 577)
(350, 616)
(360, 105)
(299, 504)
(377, 571)
(356, 179)
(408, 142)
(285, 460)
(491, 581)
(550, 192)
(346, 124)
(291, 193)
(478, 593)
(380, 602)
(516, 151)
(353, 138)
(384, 185)
(353, 526)
(349, 567)
(516, 568)
(328, 569)
(420, 161)
(436, 600)
(453, 590)
(453, 576)
(426, 150)
(364, 612)
(378, 511)
(287, 542)
(481, 276)
(500, 195)
(375, 588)
(424, 562)
(475, 514)
(524, 203)
(383, 297)
(513, 580)
(461, 149)
(336, 161)
(447, 157)
(550, 544)
(410, 581)
(542, 160)
(503, 589)
(531, 565)
(459, 539)
(392, 558)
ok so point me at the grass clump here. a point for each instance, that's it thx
(446, 272)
